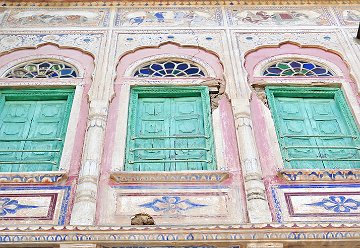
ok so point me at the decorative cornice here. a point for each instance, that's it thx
(45, 177)
(154, 3)
(329, 175)
(177, 235)
(170, 177)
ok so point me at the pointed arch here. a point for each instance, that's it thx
(130, 61)
(82, 61)
(257, 60)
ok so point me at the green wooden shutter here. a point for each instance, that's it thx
(337, 148)
(32, 131)
(315, 130)
(169, 130)
(15, 122)
(295, 133)
(46, 126)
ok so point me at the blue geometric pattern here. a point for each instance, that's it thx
(171, 204)
(8, 206)
(338, 204)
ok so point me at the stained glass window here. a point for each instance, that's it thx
(295, 68)
(169, 68)
(42, 69)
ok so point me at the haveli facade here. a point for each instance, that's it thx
(232, 124)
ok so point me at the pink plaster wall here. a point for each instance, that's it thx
(87, 67)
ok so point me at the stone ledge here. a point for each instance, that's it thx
(43, 177)
(329, 175)
(212, 177)
(180, 235)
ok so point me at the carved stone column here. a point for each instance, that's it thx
(85, 199)
(265, 245)
(257, 205)
(78, 246)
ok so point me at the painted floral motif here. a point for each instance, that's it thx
(52, 17)
(171, 205)
(338, 204)
(278, 17)
(9, 206)
(178, 17)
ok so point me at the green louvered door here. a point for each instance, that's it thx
(168, 133)
(31, 134)
(315, 133)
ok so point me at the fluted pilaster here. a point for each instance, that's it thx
(258, 208)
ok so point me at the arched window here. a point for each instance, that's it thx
(169, 68)
(42, 68)
(34, 121)
(314, 125)
(297, 68)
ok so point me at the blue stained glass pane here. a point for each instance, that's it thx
(182, 66)
(309, 66)
(65, 71)
(46, 65)
(162, 72)
(169, 65)
(144, 71)
(191, 71)
(202, 73)
(274, 70)
(295, 64)
(74, 74)
(156, 67)
(156, 74)
(319, 70)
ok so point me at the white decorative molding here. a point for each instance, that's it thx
(258, 207)
(212, 177)
(86, 193)
(43, 177)
(328, 175)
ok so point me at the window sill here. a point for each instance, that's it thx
(211, 177)
(329, 175)
(39, 177)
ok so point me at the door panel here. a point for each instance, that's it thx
(335, 135)
(15, 122)
(47, 123)
(299, 146)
